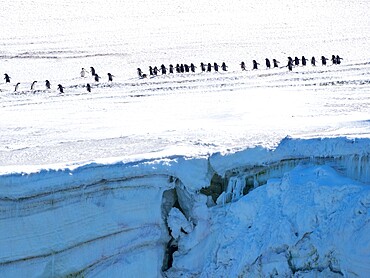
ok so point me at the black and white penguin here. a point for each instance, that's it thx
(88, 87)
(16, 87)
(92, 70)
(47, 84)
(110, 77)
(186, 68)
(171, 68)
(223, 66)
(139, 72)
(268, 64)
(338, 59)
(7, 78)
(296, 61)
(203, 67)
(304, 61)
(290, 65)
(242, 66)
(163, 69)
(334, 59)
(215, 66)
(83, 72)
(313, 61)
(192, 67)
(61, 88)
(255, 64)
(96, 77)
(323, 60)
(33, 85)
(209, 67)
(275, 62)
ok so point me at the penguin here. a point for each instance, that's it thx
(304, 61)
(83, 72)
(334, 59)
(61, 88)
(296, 61)
(171, 68)
(47, 84)
(338, 59)
(323, 60)
(16, 87)
(139, 72)
(255, 65)
(96, 77)
(192, 67)
(178, 68)
(242, 65)
(290, 59)
(202, 67)
(151, 70)
(268, 64)
(7, 78)
(33, 85)
(182, 68)
(88, 87)
(209, 67)
(290, 65)
(110, 77)
(223, 66)
(92, 71)
(187, 68)
(215, 66)
(163, 69)
(313, 61)
(155, 70)
(275, 62)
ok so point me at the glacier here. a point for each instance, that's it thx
(255, 173)
(117, 219)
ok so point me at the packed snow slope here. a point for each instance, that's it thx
(254, 173)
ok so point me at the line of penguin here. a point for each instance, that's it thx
(184, 68)
(60, 87)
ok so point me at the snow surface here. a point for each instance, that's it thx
(246, 174)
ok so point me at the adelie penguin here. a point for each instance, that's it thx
(139, 72)
(296, 61)
(92, 70)
(83, 72)
(96, 77)
(323, 60)
(171, 68)
(223, 66)
(304, 61)
(255, 65)
(110, 77)
(313, 61)
(7, 78)
(209, 67)
(163, 69)
(334, 59)
(61, 88)
(47, 84)
(33, 85)
(16, 87)
(275, 63)
(268, 64)
(215, 66)
(338, 59)
(192, 67)
(242, 66)
(202, 67)
(88, 87)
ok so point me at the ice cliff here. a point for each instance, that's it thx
(299, 210)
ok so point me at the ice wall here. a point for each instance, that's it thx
(300, 208)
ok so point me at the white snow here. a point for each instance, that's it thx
(229, 174)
